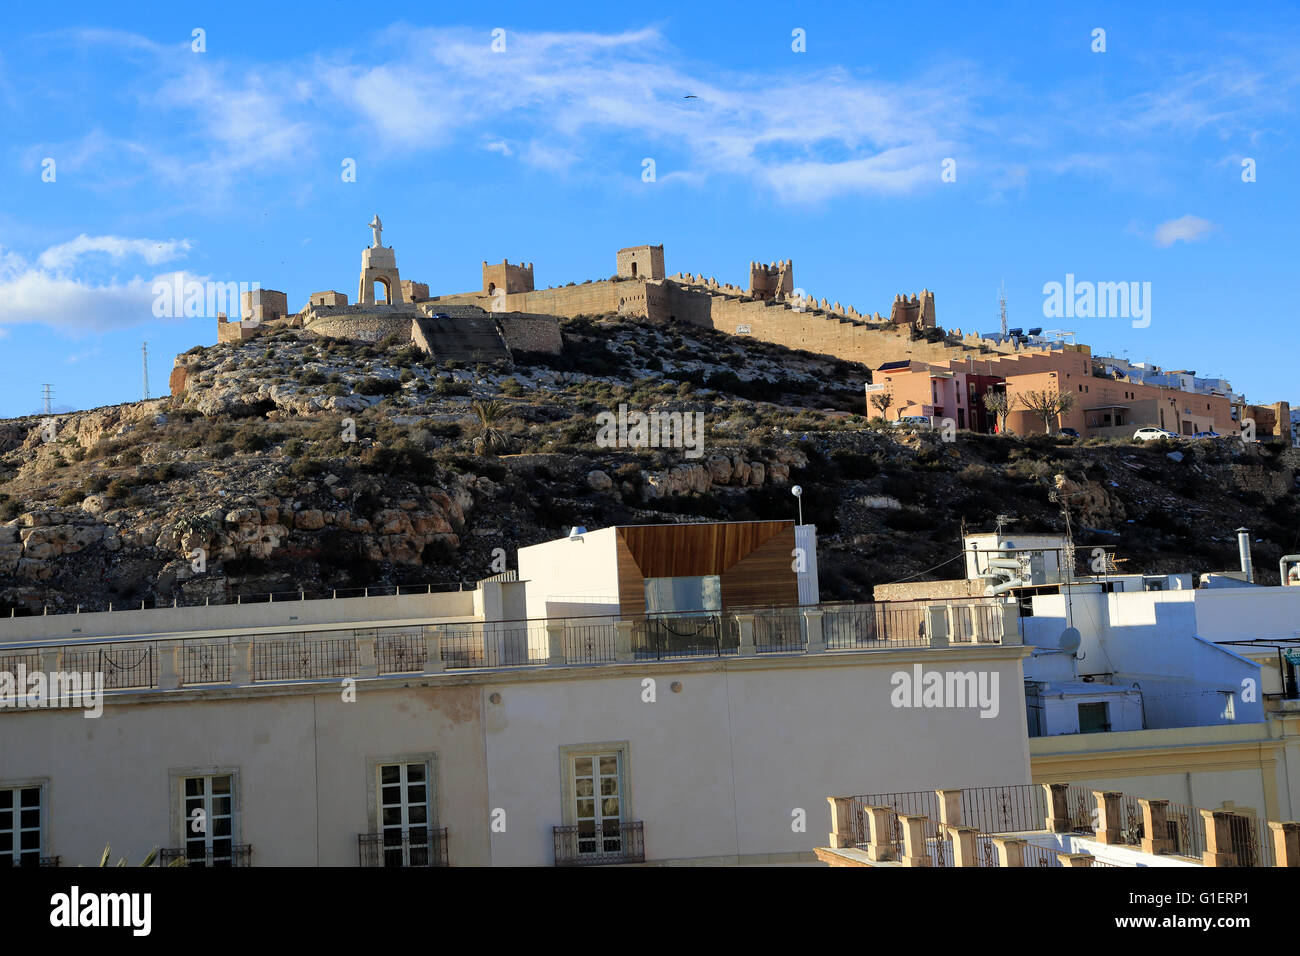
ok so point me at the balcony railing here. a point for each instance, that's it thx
(240, 854)
(332, 653)
(613, 842)
(414, 847)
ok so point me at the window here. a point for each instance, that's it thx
(597, 814)
(209, 812)
(206, 818)
(1094, 718)
(404, 813)
(403, 810)
(21, 826)
(598, 806)
(667, 595)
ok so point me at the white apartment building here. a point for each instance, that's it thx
(433, 729)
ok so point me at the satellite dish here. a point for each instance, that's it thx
(1070, 640)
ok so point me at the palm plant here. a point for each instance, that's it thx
(491, 437)
(149, 859)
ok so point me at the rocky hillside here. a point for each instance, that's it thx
(297, 463)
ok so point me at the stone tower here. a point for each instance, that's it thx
(641, 262)
(773, 281)
(379, 265)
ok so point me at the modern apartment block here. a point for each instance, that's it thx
(1111, 400)
(703, 722)
(1144, 683)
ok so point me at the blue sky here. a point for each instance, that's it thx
(226, 164)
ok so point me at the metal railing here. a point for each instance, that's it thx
(1035, 855)
(331, 653)
(400, 651)
(205, 662)
(240, 854)
(615, 841)
(491, 644)
(293, 658)
(413, 847)
(261, 597)
(590, 643)
(991, 810)
(123, 665)
(671, 636)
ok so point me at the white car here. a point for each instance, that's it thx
(1151, 433)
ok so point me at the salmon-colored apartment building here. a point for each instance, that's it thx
(1103, 407)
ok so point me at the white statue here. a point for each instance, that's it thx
(377, 227)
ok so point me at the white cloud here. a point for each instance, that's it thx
(1185, 229)
(115, 247)
(588, 101)
(47, 293)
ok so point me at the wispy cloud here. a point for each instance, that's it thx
(1184, 229)
(152, 251)
(57, 290)
(586, 102)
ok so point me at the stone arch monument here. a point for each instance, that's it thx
(379, 265)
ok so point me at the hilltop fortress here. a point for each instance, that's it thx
(509, 313)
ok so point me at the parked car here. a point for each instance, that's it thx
(913, 421)
(1210, 434)
(1151, 433)
(1069, 432)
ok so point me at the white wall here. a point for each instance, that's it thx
(1149, 637)
(362, 610)
(717, 769)
(301, 761)
(1241, 614)
(564, 569)
(1061, 712)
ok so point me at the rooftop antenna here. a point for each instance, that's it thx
(144, 354)
(1002, 305)
(47, 389)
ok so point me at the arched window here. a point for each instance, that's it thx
(492, 287)
(388, 294)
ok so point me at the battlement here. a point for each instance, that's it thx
(503, 277)
(772, 281)
(262, 305)
(641, 262)
(917, 312)
(411, 291)
(329, 297)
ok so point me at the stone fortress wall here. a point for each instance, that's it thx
(768, 310)
(771, 309)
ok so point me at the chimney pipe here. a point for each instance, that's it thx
(1243, 549)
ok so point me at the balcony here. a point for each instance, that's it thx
(417, 847)
(328, 653)
(238, 854)
(617, 842)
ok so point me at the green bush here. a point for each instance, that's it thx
(449, 386)
(251, 438)
(378, 386)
